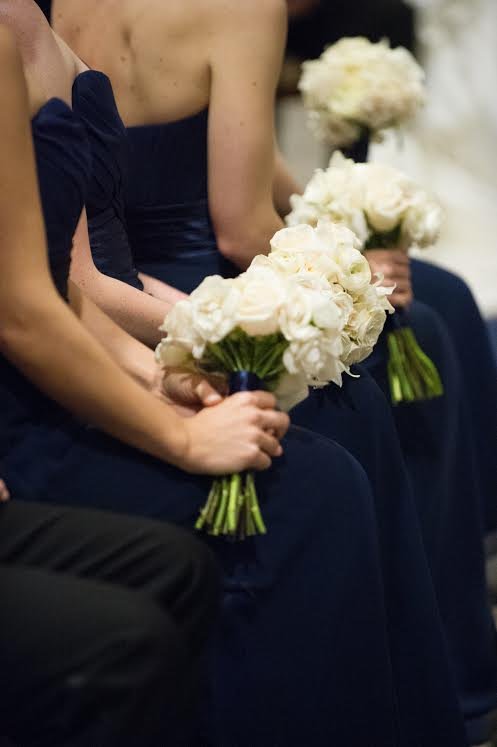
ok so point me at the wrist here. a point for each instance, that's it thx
(177, 441)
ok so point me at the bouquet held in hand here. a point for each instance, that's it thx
(359, 88)
(281, 326)
(385, 209)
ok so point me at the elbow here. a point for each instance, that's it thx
(235, 249)
(242, 245)
(26, 324)
(16, 327)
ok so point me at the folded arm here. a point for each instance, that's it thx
(139, 313)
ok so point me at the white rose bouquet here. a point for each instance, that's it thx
(261, 330)
(327, 262)
(385, 209)
(357, 87)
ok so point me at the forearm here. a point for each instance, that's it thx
(139, 313)
(284, 186)
(45, 341)
(160, 290)
(130, 354)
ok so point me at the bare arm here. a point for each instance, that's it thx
(161, 290)
(140, 314)
(44, 339)
(245, 58)
(284, 185)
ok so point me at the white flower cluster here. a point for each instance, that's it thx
(314, 289)
(326, 261)
(372, 200)
(357, 85)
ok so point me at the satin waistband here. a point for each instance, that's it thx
(174, 231)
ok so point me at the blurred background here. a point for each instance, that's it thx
(451, 147)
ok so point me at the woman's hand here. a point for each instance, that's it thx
(243, 432)
(4, 493)
(394, 265)
(188, 392)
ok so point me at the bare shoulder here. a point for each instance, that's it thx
(26, 21)
(9, 54)
(248, 12)
(202, 15)
(11, 67)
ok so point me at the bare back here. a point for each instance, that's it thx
(168, 60)
(156, 52)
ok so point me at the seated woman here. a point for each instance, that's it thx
(293, 590)
(204, 193)
(109, 579)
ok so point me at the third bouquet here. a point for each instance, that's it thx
(385, 209)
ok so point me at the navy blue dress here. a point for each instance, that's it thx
(300, 657)
(451, 298)
(449, 295)
(180, 247)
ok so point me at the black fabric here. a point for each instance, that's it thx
(46, 7)
(103, 619)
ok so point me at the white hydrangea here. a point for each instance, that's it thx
(358, 86)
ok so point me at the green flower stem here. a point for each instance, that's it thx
(412, 375)
(254, 505)
(232, 508)
(208, 511)
(235, 485)
(400, 386)
(411, 368)
(223, 505)
(425, 364)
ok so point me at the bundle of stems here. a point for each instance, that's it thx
(412, 375)
(232, 508)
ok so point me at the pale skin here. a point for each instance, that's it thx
(54, 345)
(141, 314)
(4, 493)
(169, 60)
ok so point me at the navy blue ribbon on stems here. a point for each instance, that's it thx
(245, 381)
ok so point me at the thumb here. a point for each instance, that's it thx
(207, 395)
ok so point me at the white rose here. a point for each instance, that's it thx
(263, 293)
(331, 236)
(331, 310)
(333, 367)
(305, 357)
(422, 222)
(367, 324)
(291, 390)
(302, 212)
(181, 330)
(282, 261)
(318, 358)
(170, 355)
(297, 238)
(356, 354)
(214, 305)
(355, 273)
(387, 197)
(296, 316)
